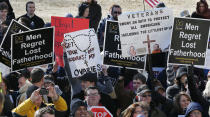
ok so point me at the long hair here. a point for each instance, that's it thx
(177, 100)
(202, 2)
(129, 112)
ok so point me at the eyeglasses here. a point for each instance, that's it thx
(93, 94)
(117, 12)
(146, 95)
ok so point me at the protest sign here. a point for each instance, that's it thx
(145, 32)
(32, 48)
(112, 49)
(65, 25)
(189, 41)
(83, 52)
(100, 111)
(5, 54)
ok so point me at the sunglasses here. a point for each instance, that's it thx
(146, 95)
(117, 12)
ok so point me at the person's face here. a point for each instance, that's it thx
(184, 102)
(161, 92)
(21, 82)
(195, 113)
(183, 78)
(139, 111)
(116, 12)
(86, 13)
(3, 13)
(155, 47)
(31, 9)
(201, 8)
(81, 112)
(146, 97)
(92, 97)
(86, 84)
(48, 115)
(136, 84)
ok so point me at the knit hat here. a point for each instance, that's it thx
(180, 72)
(193, 106)
(76, 103)
(92, 77)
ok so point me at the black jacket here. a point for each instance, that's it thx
(94, 15)
(35, 21)
(196, 95)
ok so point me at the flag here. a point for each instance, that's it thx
(152, 3)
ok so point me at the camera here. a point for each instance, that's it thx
(43, 91)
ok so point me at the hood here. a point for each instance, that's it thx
(193, 106)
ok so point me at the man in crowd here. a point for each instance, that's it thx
(35, 21)
(115, 12)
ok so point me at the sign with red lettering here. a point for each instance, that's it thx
(100, 111)
(65, 25)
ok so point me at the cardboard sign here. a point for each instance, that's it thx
(65, 25)
(100, 111)
(83, 52)
(5, 54)
(32, 48)
(145, 32)
(189, 41)
(112, 50)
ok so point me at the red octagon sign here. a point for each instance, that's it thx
(100, 111)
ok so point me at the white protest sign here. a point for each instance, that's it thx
(145, 32)
(83, 52)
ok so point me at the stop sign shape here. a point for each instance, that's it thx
(100, 111)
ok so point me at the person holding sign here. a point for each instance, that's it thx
(35, 21)
(115, 10)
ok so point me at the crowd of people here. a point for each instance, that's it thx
(178, 91)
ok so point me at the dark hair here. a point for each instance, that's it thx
(29, 2)
(11, 81)
(177, 99)
(36, 75)
(93, 88)
(43, 111)
(3, 6)
(25, 73)
(141, 77)
(82, 8)
(114, 6)
(25, 21)
(202, 2)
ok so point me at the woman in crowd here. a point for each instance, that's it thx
(202, 10)
(83, 11)
(181, 101)
(137, 109)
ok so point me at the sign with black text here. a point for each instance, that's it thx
(112, 49)
(32, 48)
(145, 32)
(189, 41)
(5, 54)
(83, 52)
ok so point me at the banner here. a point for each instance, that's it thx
(189, 41)
(32, 48)
(83, 52)
(112, 49)
(65, 25)
(5, 54)
(145, 32)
